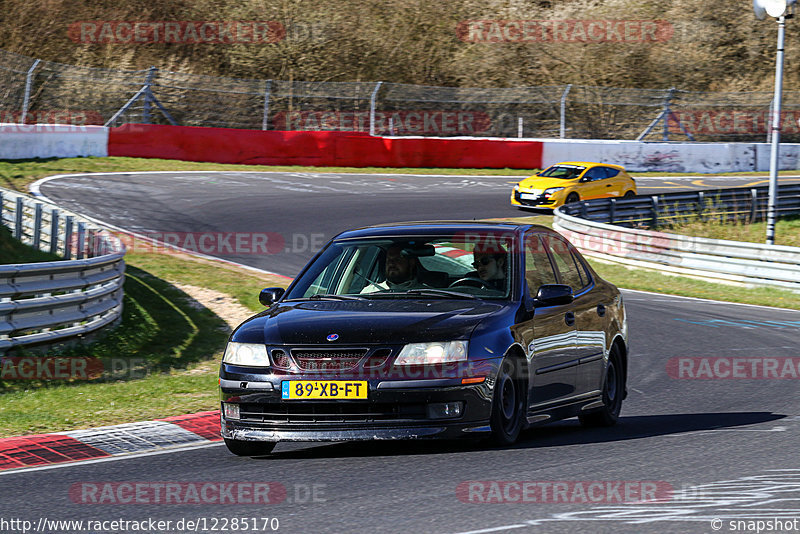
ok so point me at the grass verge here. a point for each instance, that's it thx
(165, 353)
(787, 230)
(13, 251)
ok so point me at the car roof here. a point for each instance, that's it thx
(588, 164)
(436, 227)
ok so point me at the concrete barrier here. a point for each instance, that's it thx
(353, 149)
(671, 157)
(25, 141)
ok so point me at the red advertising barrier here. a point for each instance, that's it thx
(342, 149)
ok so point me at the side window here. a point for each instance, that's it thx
(582, 270)
(595, 173)
(538, 270)
(610, 172)
(565, 263)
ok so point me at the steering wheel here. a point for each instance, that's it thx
(471, 281)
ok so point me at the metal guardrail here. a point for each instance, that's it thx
(624, 231)
(50, 302)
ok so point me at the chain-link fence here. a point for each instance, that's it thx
(34, 91)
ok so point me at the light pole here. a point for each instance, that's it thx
(777, 9)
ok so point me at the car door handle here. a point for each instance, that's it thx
(569, 318)
(601, 310)
(609, 185)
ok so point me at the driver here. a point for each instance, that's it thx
(490, 264)
(401, 272)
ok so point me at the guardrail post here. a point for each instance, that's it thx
(37, 226)
(54, 231)
(612, 210)
(584, 210)
(81, 240)
(701, 204)
(1, 208)
(18, 220)
(753, 204)
(68, 238)
(654, 211)
(92, 242)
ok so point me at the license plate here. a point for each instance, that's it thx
(323, 389)
(528, 196)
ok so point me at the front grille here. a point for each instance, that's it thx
(280, 359)
(331, 412)
(378, 358)
(541, 199)
(327, 360)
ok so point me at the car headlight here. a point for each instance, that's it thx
(430, 353)
(516, 188)
(249, 354)
(552, 190)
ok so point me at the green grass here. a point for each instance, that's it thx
(787, 230)
(13, 251)
(166, 351)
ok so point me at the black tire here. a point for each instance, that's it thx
(629, 194)
(249, 448)
(572, 197)
(508, 404)
(613, 393)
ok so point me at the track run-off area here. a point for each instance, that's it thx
(711, 422)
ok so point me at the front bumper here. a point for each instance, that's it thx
(394, 409)
(539, 202)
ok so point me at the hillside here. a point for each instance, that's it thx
(714, 46)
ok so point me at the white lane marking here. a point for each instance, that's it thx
(666, 297)
(76, 463)
(748, 498)
(494, 529)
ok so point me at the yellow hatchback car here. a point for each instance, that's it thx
(571, 181)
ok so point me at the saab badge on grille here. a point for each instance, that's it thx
(332, 337)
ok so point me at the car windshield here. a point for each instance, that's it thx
(566, 172)
(436, 267)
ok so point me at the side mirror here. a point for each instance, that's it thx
(554, 295)
(270, 294)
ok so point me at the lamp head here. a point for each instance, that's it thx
(773, 8)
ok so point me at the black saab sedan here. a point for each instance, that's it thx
(427, 330)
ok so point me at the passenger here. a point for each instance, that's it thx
(490, 264)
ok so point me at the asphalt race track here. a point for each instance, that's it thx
(302, 209)
(718, 447)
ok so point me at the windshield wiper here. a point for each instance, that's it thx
(334, 296)
(429, 293)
